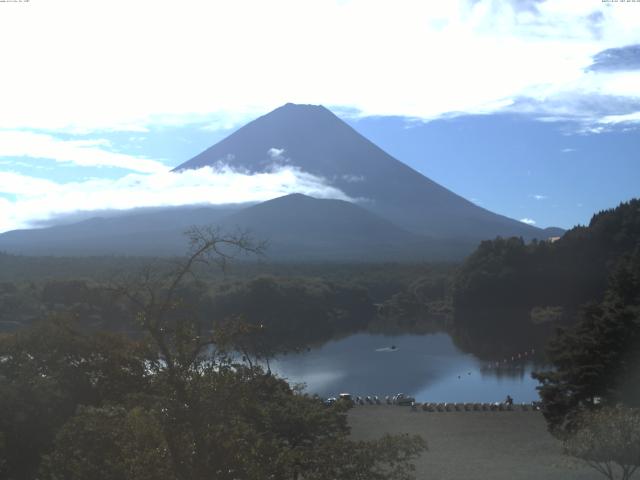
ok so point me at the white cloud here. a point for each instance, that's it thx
(277, 159)
(18, 184)
(85, 153)
(128, 65)
(539, 197)
(352, 178)
(628, 118)
(276, 153)
(568, 150)
(38, 199)
(528, 221)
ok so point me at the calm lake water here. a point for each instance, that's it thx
(428, 367)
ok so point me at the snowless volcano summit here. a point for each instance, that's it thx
(315, 140)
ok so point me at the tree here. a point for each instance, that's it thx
(46, 373)
(107, 443)
(228, 420)
(282, 315)
(607, 437)
(504, 280)
(598, 360)
(172, 405)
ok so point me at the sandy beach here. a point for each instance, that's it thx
(475, 445)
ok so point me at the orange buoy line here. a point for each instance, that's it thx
(514, 358)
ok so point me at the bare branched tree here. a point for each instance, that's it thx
(179, 335)
(608, 438)
(182, 340)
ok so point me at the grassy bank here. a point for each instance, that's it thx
(475, 445)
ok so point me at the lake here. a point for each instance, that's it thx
(429, 367)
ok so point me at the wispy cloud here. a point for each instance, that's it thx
(628, 118)
(528, 221)
(568, 150)
(276, 153)
(38, 199)
(83, 153)
(276, 159)
(539, 197)
(352, 178)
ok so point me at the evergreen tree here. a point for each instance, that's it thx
(597, 362)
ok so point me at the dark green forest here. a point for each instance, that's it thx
(299, 305)
(510, 295)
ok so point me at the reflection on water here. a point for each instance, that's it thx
(428, 367)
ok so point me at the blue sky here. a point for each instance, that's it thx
(519, 166)
(529, 108)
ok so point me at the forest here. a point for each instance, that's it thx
(301, 304)
(510, 293)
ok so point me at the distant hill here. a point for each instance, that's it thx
(315, 140)
(311, 221)
(159, 232)
(296, 227)
(300, 227)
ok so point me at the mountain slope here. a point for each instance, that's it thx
(299, 227)
(159, 232)
(551, 232)
(295, 227)
(302, 218)
(315, 140)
